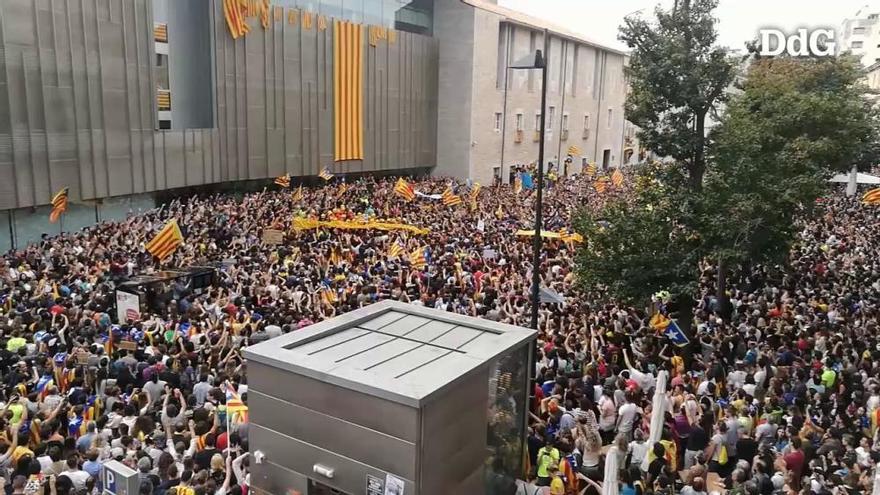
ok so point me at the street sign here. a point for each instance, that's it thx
(119, 479)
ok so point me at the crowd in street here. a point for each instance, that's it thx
(778, 392)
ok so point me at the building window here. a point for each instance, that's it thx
(497, 125)
(564, 122)
(858, 30)
(519, 121)
(610, 116)
(586, 123)
(161, 60)
(538, 122)
(551, 117)
(856, 45)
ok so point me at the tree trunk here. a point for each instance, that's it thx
(698, 165)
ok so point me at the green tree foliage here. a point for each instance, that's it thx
(638, 245)
(677, 78)
(796, 123)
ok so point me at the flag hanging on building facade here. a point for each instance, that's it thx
(166, 241)
(59, 205)
(348, 91)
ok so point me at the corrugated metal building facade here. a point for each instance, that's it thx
(86, 86)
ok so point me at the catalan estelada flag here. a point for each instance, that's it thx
(475, 190)
(348, 90)
(574, 150)
(601, 184)
(404, 190)
(395, 250)
(418, 259)
(617, 178)
(166, 241)
(59, 205)
(872, 197)
(283, 181)
(449, 198)
(325, 174)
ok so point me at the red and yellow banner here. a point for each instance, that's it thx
(348, 90)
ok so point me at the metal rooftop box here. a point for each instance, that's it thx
(391, 394)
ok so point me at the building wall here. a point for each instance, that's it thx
(454, 28)
(583, 81)
(861, 35)
(77, 103)
(591, 76)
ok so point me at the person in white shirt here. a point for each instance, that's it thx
(626, 415)
(77, 476)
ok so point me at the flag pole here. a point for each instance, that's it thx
(228, 427)
(61, 223)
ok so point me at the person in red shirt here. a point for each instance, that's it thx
(794, 462)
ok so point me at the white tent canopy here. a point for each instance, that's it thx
(860, 178)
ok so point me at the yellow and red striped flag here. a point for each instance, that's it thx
(617, 178)
(475, 191)
(342, 189)
(574, 150)
(283, 181)
(166, 241)
(592, 170)
(404, 190)
(517, 184)
(298, 195)
(417, 259)
(601, 185)
(59, 205)
(325, 174)
(395, 250)
(450, 199)
(872, 197)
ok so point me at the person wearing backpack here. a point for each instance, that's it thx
(716, 452)
(548, 462)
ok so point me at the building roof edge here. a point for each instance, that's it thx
(526, 20)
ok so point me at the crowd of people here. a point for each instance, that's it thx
(778, 394)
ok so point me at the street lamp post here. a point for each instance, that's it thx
(540, 62)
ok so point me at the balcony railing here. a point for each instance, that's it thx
(160, 33)
(564, 135)
(163, 99)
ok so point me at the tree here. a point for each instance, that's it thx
(637, 244)
(677, 79)
(796, 123)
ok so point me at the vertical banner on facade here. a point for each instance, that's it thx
(348, 88)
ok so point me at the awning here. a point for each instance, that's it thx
(860, 178)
